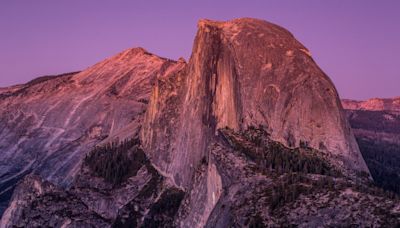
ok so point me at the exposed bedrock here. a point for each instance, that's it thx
(242, 73)
(48, 124)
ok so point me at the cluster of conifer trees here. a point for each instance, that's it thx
(161, 213)
(375, 121)
(291, 165)
(383, 160)
(116, 161)
(292, 185)
(283, 159)
(275, 156)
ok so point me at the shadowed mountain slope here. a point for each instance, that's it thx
(376, 125)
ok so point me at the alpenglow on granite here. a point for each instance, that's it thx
(248, 133)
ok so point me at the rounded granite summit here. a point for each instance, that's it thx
(243, 73)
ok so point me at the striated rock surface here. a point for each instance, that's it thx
(48, 124)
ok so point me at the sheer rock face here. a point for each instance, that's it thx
(242, 73)
(47, 125)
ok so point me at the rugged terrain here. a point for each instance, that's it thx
(376, 125)
(250, 132)
(263, 183)
(48, 124)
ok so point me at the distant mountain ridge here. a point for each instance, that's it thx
(376, 125)
(375, 118)
(373, 104)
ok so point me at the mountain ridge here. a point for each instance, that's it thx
(54, 122)
(373, 104)
(376, 125)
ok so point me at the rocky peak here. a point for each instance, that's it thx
(48, 124)
(242, 73)
(112, 69)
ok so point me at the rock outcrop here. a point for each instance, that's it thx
(254, 196)
(243, 73)
(48, 124)
(53, 207)
(145, 199)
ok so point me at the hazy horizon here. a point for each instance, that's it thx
(355, 43)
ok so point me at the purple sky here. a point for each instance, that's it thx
(357, 43)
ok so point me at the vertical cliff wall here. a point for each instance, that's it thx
(242, 73)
